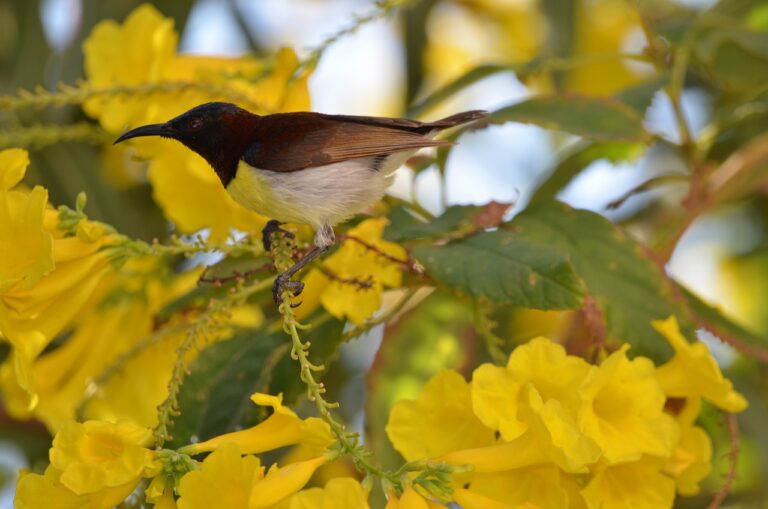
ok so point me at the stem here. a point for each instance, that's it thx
(382, 318)
(348, 442)
(67, 94)
(42, 135)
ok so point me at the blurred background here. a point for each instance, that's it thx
(387, 68)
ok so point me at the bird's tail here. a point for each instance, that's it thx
(459, 118)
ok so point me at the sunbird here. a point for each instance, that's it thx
(302, 167)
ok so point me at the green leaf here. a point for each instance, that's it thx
(599, 119)
(578, 158)
(736, 59)
(713, 320)
(628, 288)
(505, 268)
(215, 397)
(404, 226)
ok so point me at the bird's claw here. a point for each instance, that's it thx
(284, 283)
(272, 226)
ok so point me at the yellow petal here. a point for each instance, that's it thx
(26, 249)
(693, 372)
(338, 493)
(278, 430)
(470, 500)
(13, 166)
(539, 486)
(282, 482)
(641, 482)
(495, 393)
(412, 500)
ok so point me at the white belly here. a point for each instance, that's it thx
(324, 195)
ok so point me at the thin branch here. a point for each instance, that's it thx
(382, 318)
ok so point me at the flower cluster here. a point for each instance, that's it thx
(48, 262)
(145, 81)
(553, 431)
(62, 273)
(97, 464)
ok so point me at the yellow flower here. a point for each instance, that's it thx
(35, 491)
(339, 493)
(691, 461)
(280, 429)
(224, 481)
(445, 399)
(228, 480)
(693, 372)
(623, 409)
(495, 390)
(95, 455)
(376, 268)
(137, 52)
(641, 483)
(26, 249)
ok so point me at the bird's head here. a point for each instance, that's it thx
(220, 132)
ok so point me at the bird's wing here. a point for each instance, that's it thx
(295, 141)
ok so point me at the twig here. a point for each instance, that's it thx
(359, 283)
(238, 276)
(408, 263)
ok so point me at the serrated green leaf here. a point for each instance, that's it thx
(599, 119)
(505, 268)
(215, 397)
(629, 288)
(578, 158)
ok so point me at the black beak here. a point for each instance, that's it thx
(146, 130)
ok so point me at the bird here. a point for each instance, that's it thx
(301, 167)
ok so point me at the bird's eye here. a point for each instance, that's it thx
(195, 123)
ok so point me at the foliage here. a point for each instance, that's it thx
(166, 383)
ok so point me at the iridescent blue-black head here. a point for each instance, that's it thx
(220, 132)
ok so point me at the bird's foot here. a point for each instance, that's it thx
(273, 226)
(283, 282)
